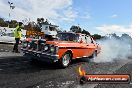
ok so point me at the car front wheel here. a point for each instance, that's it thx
(65, 60)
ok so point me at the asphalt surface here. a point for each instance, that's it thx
(16, 71)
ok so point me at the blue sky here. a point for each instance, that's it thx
(96, 16)
(108, 12)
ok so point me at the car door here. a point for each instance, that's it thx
(90, 45)
(86, 48)
(83, 46)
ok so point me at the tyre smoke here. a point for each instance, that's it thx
(114, 49)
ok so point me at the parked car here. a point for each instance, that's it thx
(9, 38)
(64, 49)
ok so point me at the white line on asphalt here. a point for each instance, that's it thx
(1, 49)
(6, 50)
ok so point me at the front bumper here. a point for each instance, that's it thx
(46, 57)
(41, 56)
(28, 53)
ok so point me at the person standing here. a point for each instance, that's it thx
(17, 35)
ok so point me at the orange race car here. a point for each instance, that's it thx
(66, 47)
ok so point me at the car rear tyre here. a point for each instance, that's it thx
(93, 57)
(65, 60)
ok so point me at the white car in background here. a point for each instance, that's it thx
(9, 38)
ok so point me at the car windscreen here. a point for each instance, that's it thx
(68, 37)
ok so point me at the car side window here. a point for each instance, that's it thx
(88, 39)
(84, 39)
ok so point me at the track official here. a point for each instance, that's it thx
(17, 35)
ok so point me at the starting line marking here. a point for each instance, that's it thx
(4, 50)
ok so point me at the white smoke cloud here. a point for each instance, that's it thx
(114, 49)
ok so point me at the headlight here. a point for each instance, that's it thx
(24, 44)
(46, 48)
(28, 45)
(52, 49)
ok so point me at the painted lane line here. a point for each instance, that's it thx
(1, 49)
(6, 50)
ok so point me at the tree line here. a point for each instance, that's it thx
(10, 24)
(77, 29)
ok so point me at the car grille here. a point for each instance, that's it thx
(47, 51)
(40, 45)
(25, 44)
(33, 45)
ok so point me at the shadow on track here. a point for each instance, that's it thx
(20, 64)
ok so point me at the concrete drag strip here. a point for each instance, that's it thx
(17, 72)
(8, 54)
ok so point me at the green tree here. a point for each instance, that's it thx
(85, 32)
(126, 36)
(46, 22)
(13, 23)
(96, 36)
(3, 23)
(42, 20)
(114, 36)
(75, 29)
(1, 20)
(38, 20)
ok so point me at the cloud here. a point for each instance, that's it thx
(114, 16)
(50, 9)
(107, 29)
(68, 15)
